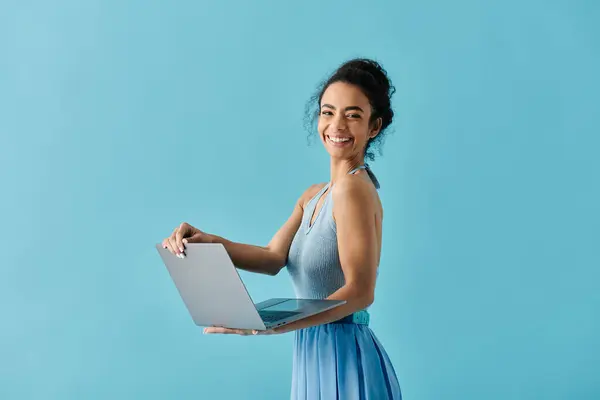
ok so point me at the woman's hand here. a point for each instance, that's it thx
(183, 234)
(243, 332)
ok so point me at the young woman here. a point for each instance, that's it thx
(331, 245)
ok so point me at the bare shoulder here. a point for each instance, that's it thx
(353, 186)
(357, 190)
(310, 193)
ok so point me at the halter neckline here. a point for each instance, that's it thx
(366, 167)
(315, 213)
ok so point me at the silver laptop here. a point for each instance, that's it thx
(215, 295)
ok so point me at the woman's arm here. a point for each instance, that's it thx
(269, 259)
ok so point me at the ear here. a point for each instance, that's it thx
(376, 128)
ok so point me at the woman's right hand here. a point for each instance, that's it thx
(183, 234)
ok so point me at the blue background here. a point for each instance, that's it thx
(119, 120)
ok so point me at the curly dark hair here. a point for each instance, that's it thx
(374, 82)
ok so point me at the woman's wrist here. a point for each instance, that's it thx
(279, 330)
(210, 238)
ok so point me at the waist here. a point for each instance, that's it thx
(360, 318)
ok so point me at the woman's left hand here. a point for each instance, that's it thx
(244, 332)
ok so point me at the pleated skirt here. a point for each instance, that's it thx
(341, 362)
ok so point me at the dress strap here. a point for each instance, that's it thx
(357, 168)
(371, 174)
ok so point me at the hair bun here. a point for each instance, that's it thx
(374, 69)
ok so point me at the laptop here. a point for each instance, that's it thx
(214, 294)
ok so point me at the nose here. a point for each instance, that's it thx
(339, 123)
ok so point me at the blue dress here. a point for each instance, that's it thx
(340, 360)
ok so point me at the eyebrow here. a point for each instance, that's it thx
(346, 109)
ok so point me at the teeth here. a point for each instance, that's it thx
(338, 140)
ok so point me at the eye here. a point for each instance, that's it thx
(326, 112)
(353, 115)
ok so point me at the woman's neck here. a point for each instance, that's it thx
(341, 167)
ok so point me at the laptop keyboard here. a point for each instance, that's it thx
(272, 316)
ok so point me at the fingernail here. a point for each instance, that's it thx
(181, 249)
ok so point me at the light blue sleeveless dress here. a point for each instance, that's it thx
(341, 360)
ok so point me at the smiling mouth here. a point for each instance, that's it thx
(339, 141)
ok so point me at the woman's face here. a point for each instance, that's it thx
(344, 121)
